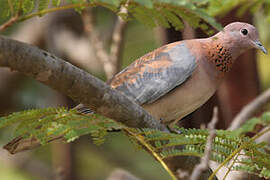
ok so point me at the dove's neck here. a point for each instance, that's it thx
(221, 51)
(233, 46)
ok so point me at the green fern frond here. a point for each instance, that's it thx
(5, 10)
(28, 6)
(146, 3)
(43, 4)
(142, 14)
(173, 19)
(46, 124)
(226, 145)
(149, 12)
(199, 14)
(56, 3)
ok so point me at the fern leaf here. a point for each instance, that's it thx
(146, 3)
(173, 19)
(43, 4)
(56, 2)
(4, 10)
(28, 6)
(46, 124)
(143, 15)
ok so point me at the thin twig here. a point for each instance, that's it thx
(17, 17)
(231, 166)
(111, 61)
(120, 174)
(97, 43)
(10, 4)
(182, 173)
(10, 22)
(20, 144)
(118, 41)
(208, 147)
(250, 109)
(68, 6)
(14, 18)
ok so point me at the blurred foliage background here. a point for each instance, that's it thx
(81, 160)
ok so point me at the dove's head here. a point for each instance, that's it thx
(242, 36)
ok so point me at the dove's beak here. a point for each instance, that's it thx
(259, 45)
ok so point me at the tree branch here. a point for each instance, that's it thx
(112, 60)
(74, 82)
(120, 174)
(250, 109)
(208, 147)
(97, 43)
(118, 41)
(10, 22)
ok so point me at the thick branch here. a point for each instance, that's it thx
(74, 82)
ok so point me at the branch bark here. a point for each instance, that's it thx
(74, 82)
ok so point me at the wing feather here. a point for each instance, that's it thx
(155, 74)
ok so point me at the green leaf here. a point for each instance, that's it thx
(28, 6)
(173, 19)
(4, 10)
(43, 4)
(266, 117)
(248, 126)
(146, 3)
(143, 15)
(56, 2)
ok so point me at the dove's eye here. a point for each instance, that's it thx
(244, 31)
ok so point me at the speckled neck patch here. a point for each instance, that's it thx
(221, 57)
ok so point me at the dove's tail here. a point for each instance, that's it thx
(83, 109)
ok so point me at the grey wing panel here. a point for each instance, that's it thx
(152, 82)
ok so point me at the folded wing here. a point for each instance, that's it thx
(155, 74)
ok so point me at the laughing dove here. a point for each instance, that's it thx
(176, 79)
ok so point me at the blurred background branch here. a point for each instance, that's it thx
(112, 61)
(204, 163)
(120, 174)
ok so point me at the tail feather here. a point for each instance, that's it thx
(87, 111)
(83, 109)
